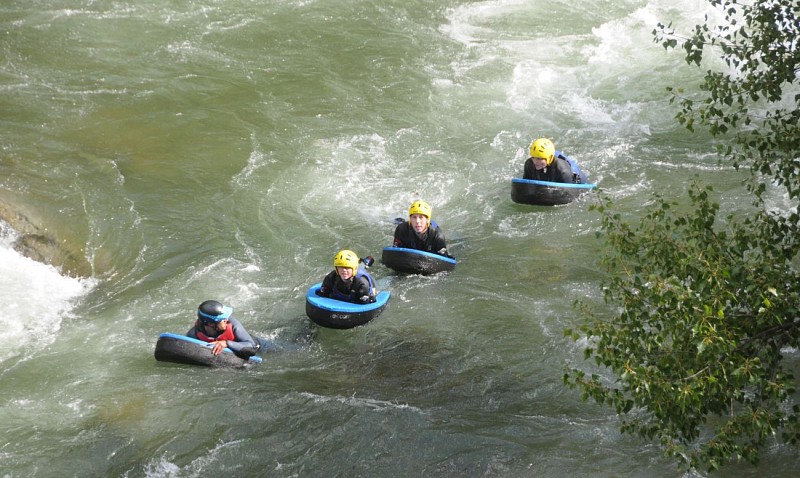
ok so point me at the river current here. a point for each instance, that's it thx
(169, 152)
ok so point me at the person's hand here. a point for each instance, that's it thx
(218, 346)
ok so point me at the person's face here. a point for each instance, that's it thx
(419, 223)
(539, 163)
(211, 327)
(345, 273)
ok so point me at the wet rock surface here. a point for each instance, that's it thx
(36, 242)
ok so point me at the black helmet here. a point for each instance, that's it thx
(213, 310)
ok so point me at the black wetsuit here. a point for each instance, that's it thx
(559, 171)
(432, 241)
(358, 290)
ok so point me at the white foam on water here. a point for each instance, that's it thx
(35, 298)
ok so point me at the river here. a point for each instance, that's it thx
(168, 152)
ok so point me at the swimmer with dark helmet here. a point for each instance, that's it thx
(216, 325)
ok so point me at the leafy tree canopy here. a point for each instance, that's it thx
(700, 354)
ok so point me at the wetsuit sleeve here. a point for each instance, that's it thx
(527, 170)
(564, 171)
(243, 338)
(192, 332)
(361, 291)
(399, 233)
(439, 244)
(327, 285)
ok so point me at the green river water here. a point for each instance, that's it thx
(175, 151)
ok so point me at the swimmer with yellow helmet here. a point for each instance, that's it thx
(348, 281)
(545, 165)
(419, 232)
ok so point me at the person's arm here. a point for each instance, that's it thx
(362, 293)
(327, 285)
(398, 234)
(439, 243)
(243, 338)
(564, 171)
(192, 332)
(527, 171)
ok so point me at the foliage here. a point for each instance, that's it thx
(707, 330)
(753, 100)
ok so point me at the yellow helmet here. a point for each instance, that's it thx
(346, 258)
(543, 148)
(420, 207)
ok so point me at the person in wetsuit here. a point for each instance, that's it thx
(348, 281)
(215, 325)
(419, 232)
(544, 165)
